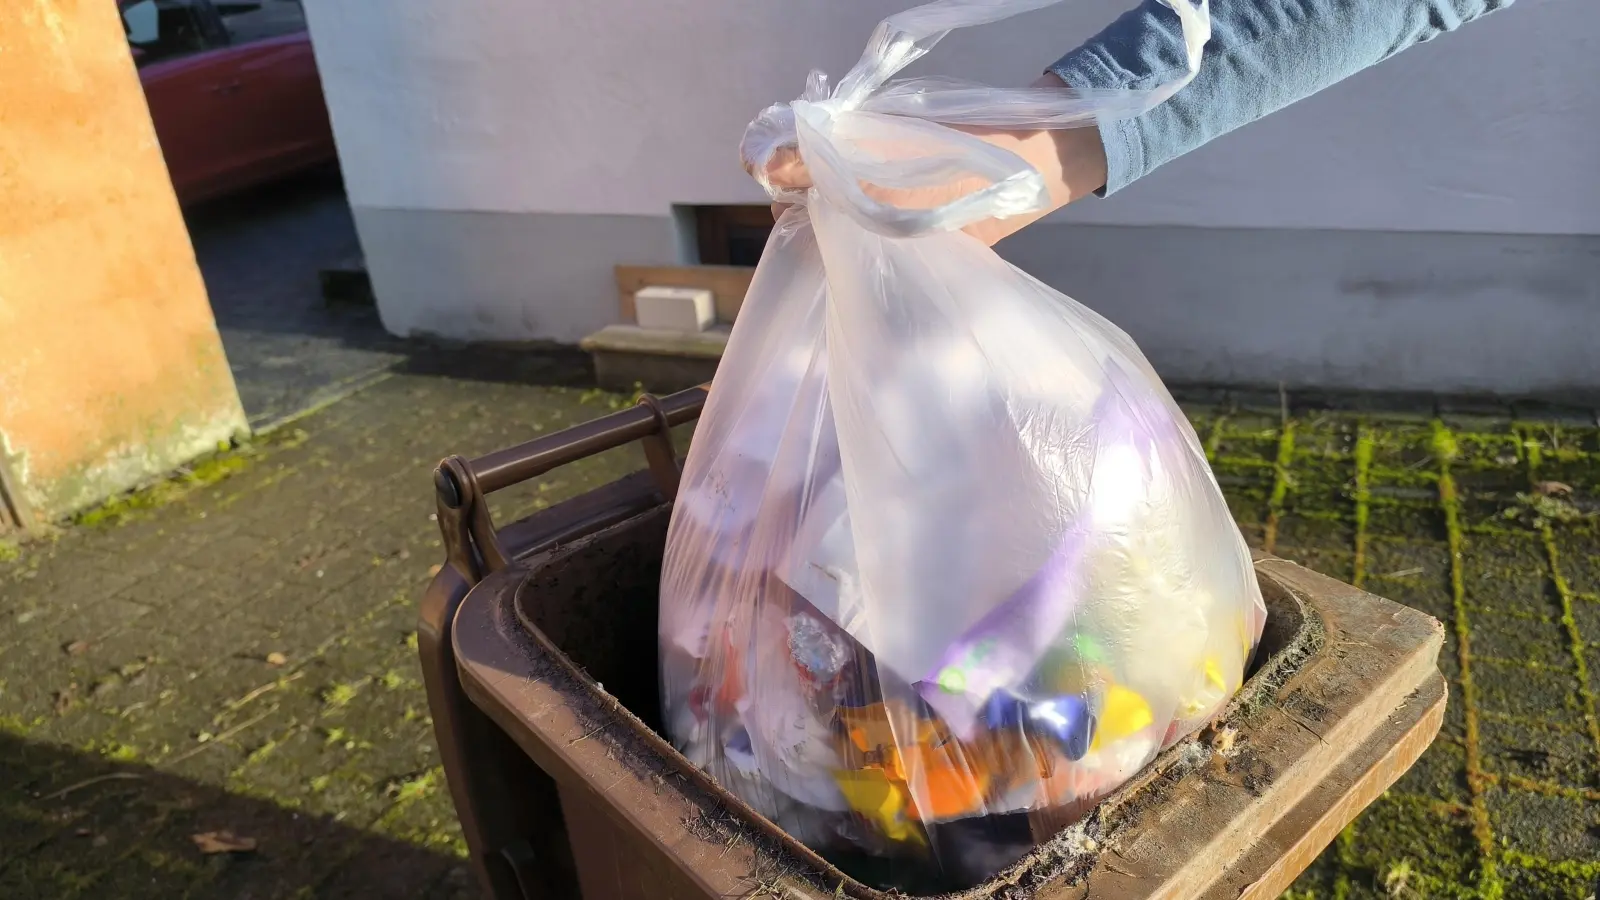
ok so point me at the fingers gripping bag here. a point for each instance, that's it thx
(946, 556)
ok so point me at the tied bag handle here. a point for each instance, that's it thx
(836, 132)
(472, 542)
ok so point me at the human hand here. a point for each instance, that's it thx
(1072, 161)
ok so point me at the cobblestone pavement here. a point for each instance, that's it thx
(231, 654)
(260, 254)
(1490, 525)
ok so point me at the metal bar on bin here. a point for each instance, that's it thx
(659, 452)
(514, 465)
(462, 485)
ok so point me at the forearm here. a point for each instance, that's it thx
(1263, 56)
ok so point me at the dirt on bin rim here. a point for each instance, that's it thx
(1066, 858)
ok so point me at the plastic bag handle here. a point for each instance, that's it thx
(821, 122)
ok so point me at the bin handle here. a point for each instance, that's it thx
(472, 543)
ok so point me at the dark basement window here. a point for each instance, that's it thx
(732, 235)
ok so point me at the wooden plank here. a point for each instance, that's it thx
(728, 284)
(1298, 838)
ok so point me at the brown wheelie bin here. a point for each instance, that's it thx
(538, 646)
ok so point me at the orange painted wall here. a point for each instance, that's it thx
(111, 368)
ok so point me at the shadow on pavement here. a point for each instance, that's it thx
(73, 824)
(261, 254)
(552, 365)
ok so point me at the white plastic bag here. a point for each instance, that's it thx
(945, 550)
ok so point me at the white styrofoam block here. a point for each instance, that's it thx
(674, 308)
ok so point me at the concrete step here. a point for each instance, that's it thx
(627, 357)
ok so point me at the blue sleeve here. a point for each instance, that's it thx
(1263, 56)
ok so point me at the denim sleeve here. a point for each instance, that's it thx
(1263, 56)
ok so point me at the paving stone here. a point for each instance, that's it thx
(1580, 561)
(1517, 689)
(1586, 615)
(1416, 519)
(1338, 563)
(1538, 752)
(1540, 640)
(1556, 828)
(1316, 531)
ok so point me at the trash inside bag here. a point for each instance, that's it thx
(947, 564)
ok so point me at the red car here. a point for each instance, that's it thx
(233, 91)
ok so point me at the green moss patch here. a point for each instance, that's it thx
(1440, 774)
(1435, 843)
(1402, 447)
(1329, 493)
(229, 460)
(1534, 879)
(1327, 436)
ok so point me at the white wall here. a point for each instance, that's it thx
(502, 155)
(628, 106)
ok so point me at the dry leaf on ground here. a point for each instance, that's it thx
(213, 842)
(277, 659)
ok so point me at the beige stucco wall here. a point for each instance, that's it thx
(111, 369)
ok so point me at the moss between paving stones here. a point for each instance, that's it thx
(1536, 881)
(1433, 843)
(229, 460)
